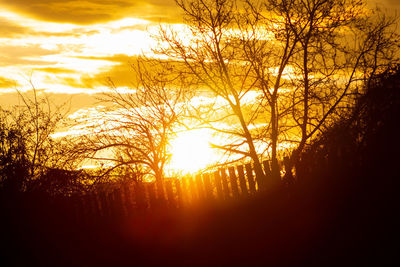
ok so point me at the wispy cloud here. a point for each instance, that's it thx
(7, 83)
(94, 11)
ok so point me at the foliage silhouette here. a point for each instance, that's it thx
(134, 132)
(341, 208)
(301, 63)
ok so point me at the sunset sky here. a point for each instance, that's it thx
(68, 48)
(71, 47)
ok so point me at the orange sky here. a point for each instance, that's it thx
(68, 48)
(71, 47)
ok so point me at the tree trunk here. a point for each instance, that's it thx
(260, 176)
(274, 143)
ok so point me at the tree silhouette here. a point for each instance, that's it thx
(134, 132)
(303, 60)
(340, 46)
(27, 147)
(210, 53)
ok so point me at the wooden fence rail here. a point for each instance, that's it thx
(222, 185)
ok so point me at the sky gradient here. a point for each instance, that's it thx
(70, 47)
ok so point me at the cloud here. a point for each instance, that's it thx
(121, 74)
(10, 29)
(20, 55)
(94, 11)
(14, 29)
(120, 58)
(73, 102)
(84, 81)
(7, 83)
(55, 70)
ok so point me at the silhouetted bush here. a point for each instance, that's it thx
(366, 140)
(341, 209)
(350, 174)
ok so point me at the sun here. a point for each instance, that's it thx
(191, 151)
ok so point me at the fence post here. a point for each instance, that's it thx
(159, 188)
(260, 179)
(250, 178)
(140, 196)
(96, 206)
(207, 186)
(77, 208)
(179, 192)
(267, 169)
(233, 179)
(111, 207)
(104, 204)
(87, 208)
(119, 211)
(152, 195)
(242, 180)
(192, 189)
(128, 200)
(83, 208)
(225, 185)
(170, 194)
(185, 191)
(271, 179)
(199, 184)
(218, 185)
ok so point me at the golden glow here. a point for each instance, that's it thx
(71, 58)
(66, 57)
(191, 151)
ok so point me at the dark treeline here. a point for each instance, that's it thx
(340, 208)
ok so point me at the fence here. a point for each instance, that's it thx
(225, 184)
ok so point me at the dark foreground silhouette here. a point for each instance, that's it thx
(341, 210)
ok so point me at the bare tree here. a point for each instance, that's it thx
(210, 52)
(269, 43)
(340, 45)
(322, 45)
(302, 59)
(134, 131)
(26, 138)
